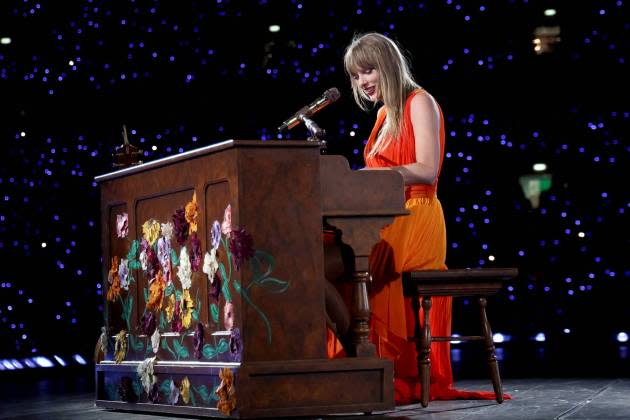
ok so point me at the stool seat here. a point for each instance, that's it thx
(478, 282)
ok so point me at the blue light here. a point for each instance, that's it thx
(540, 337)
(60, 360)
(80, 360)
(622, 337)
(43, 361)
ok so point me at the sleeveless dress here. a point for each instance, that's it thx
(411, 243)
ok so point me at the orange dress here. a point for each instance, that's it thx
(411, 243)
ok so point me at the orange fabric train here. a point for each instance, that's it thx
(411, 243)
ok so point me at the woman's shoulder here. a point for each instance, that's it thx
(421, 99)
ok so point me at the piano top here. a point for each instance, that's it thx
(213, 148)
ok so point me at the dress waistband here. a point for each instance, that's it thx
(420, 191)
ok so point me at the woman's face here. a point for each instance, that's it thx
(368, 80)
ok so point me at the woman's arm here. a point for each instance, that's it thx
(425, 119)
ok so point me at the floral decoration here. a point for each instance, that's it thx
(184, 272)
(148, 323)
(155, 341)
(191, 211)
(226, 392)
(146, 373)
(122, 225)
(198, 341)
(226, 226)
(195, 252)
(174, 394)
(236, 346)
(241, 246)
(228, 316)
(120, 346)
(123, 273)
(215, 234)
(113, 291)
(184, 390)
(181, 226)
(151, 231)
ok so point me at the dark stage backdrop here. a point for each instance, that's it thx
(187, 74)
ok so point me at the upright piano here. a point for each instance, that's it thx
(214, 282)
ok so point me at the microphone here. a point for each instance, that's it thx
(327, 98)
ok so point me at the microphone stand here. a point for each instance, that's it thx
(317, 133)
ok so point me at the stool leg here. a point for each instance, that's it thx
(490, 350)
(424, 356)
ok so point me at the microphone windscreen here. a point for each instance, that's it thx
(333, 94)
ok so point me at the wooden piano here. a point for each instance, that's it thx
(213, 281)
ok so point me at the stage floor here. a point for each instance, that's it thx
(544, 398)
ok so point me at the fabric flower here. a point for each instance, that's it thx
(151, 231)
(235, 344)
(214, 291)
(191, 212)
(241, 246)
(187, 307)
(176, 322)
(122, 225)
(198, 340)
(146, 373)
(226, 392)
(228, 315)
(156, 293)
(226, 226)
(125, 390)
(154, 394)
(113, 291)
(102, 345)
(184, 390)
(148, 323)
(210, 264)
(195, 252)
(181, 226)
(120, 346)
(167, 231)
(164, 256)
(153, 264)
(215, 234)
(170, 307)
(155, 341)
(123, 273)
(174, 395)
(144, 260)
(184, 270)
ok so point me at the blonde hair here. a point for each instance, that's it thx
(375, 51)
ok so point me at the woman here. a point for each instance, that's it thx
(408, 137)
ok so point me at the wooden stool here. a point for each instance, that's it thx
(480, 282)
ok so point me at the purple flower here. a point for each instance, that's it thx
(241, 246)
(214, 289)
(195, 252)
(235, 344)
(181, 226)
(164, 256)
(176, 323)
(153, 263)
(144, 245)
(174, 395)
(216, 234)
(198, 340)
(148, 323)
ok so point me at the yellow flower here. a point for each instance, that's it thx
(170, 307)
(191, 214)
(120, 349)
(156, 292)
(151, 231)
(187, 307)
(184, 390)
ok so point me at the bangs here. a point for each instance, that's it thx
(359, 57)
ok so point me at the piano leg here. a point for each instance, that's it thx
(362, 347)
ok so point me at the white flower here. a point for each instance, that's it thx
(123, 273)
(155, 341)
(146, 374)
(143, 260)
(184, 271)
(167, 230)
(210, 264)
